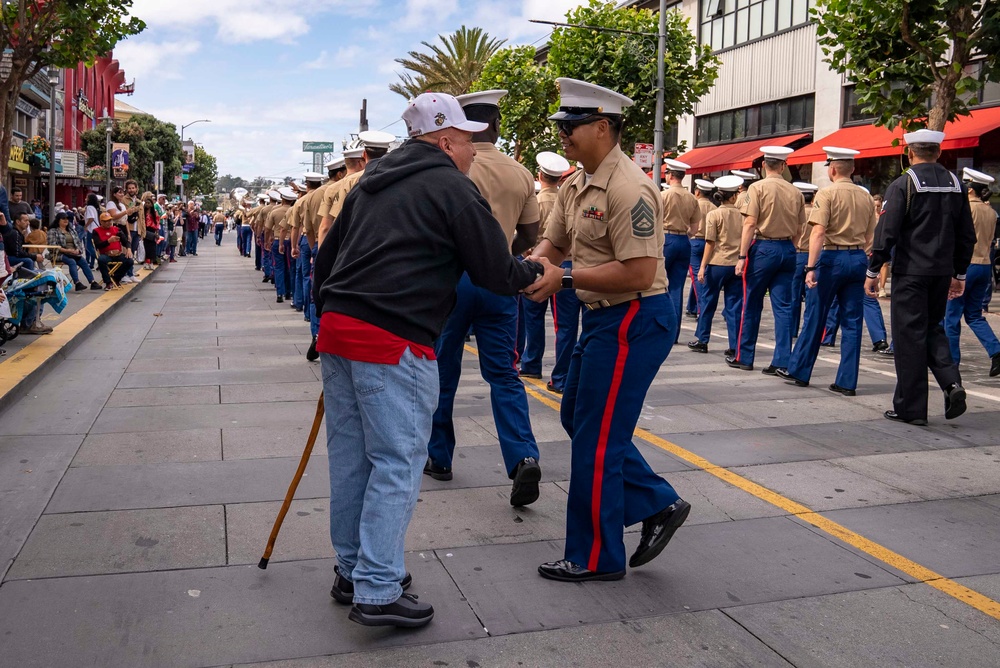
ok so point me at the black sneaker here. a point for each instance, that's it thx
(526, 477)
(405, 611)
(312, 355)
(343, 589)
(995, 365)
(437, 472)
(954, 401)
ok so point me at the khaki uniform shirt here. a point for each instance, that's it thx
(614, 217)
(285, 221)
(546, 200)
(846, 211)
(680, 210)
(218, 218)
(778, 207)
(333, 198)
(705, 206)
(802, 243)
(724, 226)
(507, 185)
(984, 219)
(274, 218)
(262, 214)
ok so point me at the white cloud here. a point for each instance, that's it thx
(346, 56)
(419, 14)
(164, 60)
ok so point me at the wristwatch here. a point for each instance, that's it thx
(567, 279)
(808, 269)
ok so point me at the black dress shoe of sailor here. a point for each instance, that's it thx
(405, 611)
(879, 346)
(995, 366)
(437, 472)
(698, 346)
(527, 475)
(343, 589)
(734, 363)
(842, 390)
(896, 417)
(783, 373)
(954, 401)
(567, 571)
(657, 532)
(771, 370)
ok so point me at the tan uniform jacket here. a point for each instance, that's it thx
(984, 219)
(546, 200)
(680, 210)
(274, 218)
(614, 217)
(705, 206)
(333, 199)
(802, 243)
(311, 217)
(778, 207)
(724, 226)
(218, 218)
(264, 212)
(847, 212)
(507, 185)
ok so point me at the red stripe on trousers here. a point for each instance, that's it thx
(602, 439)
(555, 318)
(693, 280)
(743, 313)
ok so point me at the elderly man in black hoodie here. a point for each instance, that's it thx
(385, 279)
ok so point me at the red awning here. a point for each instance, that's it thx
(875, 142)
(732, 156)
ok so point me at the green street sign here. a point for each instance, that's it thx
(318, 147)
(186, 176)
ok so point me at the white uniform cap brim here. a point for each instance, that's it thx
(354, 153)
(729, 183)
(313, 176)
(490, 97)
(552, 164)
(579, 99)
(376, 138)
(924, 136)
(837, 153)
(704, 185)
(336, 163)
(743, 175)
(805, 187)
(976, 176)
(287, 193)
(776, 152)
(676, 165)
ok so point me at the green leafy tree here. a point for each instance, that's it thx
(915, 63)
(60, 33)
(228, 183)
(450, 68)
(531, 90)
(149, 140)
(203, 177)
(626, 63)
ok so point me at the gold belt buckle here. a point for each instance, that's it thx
(593, 306)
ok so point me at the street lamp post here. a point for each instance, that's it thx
(183, 127)
(53, 83)
(108, 128)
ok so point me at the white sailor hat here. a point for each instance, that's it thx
(490, 97)
(836, 153)
(579, 100)
(552, 164)
(975, 176)
(274, 195)
(702, 184)
(776, 152)
(676, 165)
(923, 136)
(805, 187)
(430, 112)
(355, 152)
(729, 183)
(377, 139)
(287, 193)
(313, 177)
(336, 163)
(746, 176)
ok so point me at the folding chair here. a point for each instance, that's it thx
(113, 268)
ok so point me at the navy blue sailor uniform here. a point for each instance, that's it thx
(612, 216)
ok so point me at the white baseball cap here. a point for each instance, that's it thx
(430, 112)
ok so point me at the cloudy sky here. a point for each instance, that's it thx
(271, 74)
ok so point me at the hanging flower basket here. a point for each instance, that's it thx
(97, 174)
(36, 144)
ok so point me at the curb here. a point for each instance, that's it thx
(14, 393)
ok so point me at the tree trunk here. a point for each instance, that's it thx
(944, 96)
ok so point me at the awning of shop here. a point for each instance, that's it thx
(876, 142)
(741, 155)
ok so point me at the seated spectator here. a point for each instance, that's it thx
(71, 251)
(35, 236)
(112, 246)
(13, 240)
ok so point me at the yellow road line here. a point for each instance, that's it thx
(916, 571)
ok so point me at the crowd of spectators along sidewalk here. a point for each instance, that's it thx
(102, 236)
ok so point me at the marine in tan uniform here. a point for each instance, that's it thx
(703, 191)
(681, 217)
(274, 235)
(609, 216)
(262, 234)
(773, 211)
(808, 191)
(373, 145)
(842, 224)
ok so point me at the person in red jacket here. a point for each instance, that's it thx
(112, 246)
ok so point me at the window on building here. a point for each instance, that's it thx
(763, 120)
(23, 124)
(728, 23)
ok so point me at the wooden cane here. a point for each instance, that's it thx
(313, 433)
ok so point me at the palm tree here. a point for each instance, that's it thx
(452, 69)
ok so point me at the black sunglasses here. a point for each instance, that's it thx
(567, 127)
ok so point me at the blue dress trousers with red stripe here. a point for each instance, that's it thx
(611, 486)
(769, 268)
(677, 261)
(566, 312)
(798, 290)
(695, 295)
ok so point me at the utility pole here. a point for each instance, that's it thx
(183, 127)
(661, 49)
(53, 84)
(363, 125)
(107, 156)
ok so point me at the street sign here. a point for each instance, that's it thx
(177, 180)
(319, 159)
(158, 174)
(185, 176)
(318, 147)
(643, 155)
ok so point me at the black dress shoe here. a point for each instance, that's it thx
(954, 401)
(895, 417)
(552, 388)
(312, 354)
(536, 376)
(828, 345)
(782, 373)
(280, 300)
(734, 363)
(888, 352)
(657, 532)
(437, 472)
(343, 589)
(730, 352)
(771, 370)
(879, 346)
(265, 279)
(405, 611)
(567, 571)
(691, 314)
(842, 390)
(698, 346)
(527, 475)
(995, 366)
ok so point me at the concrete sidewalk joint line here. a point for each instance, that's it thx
(918, 572)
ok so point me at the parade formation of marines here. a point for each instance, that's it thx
(396, 258)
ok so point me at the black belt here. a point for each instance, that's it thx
(763, 238)
(848, 248)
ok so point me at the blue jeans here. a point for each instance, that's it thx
(91, 250)
(978, 280)
(677, 261)
(192, 242)
(75, 264)
(30, 312)
(218, 234)
(378, 421)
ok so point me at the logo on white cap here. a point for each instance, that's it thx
(430, 112)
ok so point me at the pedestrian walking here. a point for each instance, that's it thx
(808, 191)
(681, 217)
(703, 192)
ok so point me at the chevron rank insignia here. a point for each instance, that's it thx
(643, 224)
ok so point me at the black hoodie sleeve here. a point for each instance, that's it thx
(483, 252)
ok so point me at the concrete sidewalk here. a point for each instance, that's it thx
(139, 487)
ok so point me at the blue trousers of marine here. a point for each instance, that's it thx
(246, 236)
(298, 298)
(798, 290)
(840, 274)
(694, 294)
(533, 318)
(289, 262)
(978, 279)
(989, 291)
(259, 255)
(566, 311)
(676, 260)
(873, 320)
(218, 234)
(305, 274)
(769, 269)
(313, 316)
(717, 280)
(278, 268)
(611, 486)
(493, 318)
